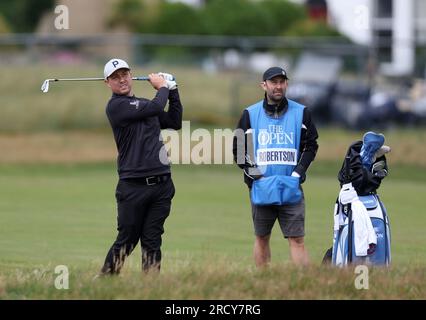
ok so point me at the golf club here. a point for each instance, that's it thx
(45, 85)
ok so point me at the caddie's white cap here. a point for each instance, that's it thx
(114, 64)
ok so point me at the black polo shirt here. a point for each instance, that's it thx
(136, 124)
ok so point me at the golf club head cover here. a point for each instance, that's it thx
(371, 143)
(381, 152)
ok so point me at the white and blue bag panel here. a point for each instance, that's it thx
(380, 221)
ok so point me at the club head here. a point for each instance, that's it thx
(45, 86)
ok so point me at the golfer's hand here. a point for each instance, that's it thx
(157, 81)
(167, 76)
(171, 84)
(170, 80)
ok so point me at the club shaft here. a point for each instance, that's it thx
(95, 79)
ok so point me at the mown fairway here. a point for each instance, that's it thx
(57, 206)
(65, 215)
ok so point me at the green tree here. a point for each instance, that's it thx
(127, 13)
(178, 18)
(283, 14)
(237, 17)
(218, 17)
(23, 15)
(311, 28)
(4, 27)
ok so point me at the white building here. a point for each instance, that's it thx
(393, 27)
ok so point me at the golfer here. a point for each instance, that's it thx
(283, 139)
(145, 188)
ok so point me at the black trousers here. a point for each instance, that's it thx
(142, 211)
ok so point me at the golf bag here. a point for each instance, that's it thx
(343, 252)
(365, 180)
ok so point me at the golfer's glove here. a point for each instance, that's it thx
(171, 84)
(170, 80)
(167, 76)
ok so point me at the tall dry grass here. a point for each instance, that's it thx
(219, 278)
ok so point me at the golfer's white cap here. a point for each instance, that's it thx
(114, 64)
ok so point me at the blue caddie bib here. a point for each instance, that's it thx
(276, 144)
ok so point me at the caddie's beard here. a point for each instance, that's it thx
(275, 99)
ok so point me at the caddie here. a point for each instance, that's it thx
(275, 142)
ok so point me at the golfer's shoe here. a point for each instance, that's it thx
(371, 143)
